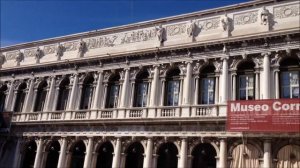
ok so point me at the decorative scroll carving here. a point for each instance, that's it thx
(176, 29)
(209, 24)
(49, 49)
(137, 36)
(11, 55)
(264, 16)
(286, 11)
(29, 52)
(245, 18)
(71, 46)
(102, 41)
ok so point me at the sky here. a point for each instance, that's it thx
(31, 20)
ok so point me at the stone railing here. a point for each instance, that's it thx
(106, 114)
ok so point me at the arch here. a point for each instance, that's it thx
(134, 157)
(245, 80)
(142, 74)
(245, 65)
(87, 92)
(167, 156)
(3, 89)
(105, 155)
(172, 72)
(204, 156)
(288, 61)
(20, 100)
(53, 150)
(207, 68)
(288, 156)
(29, 154)
(78, 154)
(41, 96)
(245, 155)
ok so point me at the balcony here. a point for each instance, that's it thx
(192, 112)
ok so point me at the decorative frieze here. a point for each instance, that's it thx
(245, 18)
(176, 29)
(286, 11)
(209, 24)
(71, 46)
(49, 49)
(29, 52)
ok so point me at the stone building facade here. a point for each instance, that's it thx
(153, 94)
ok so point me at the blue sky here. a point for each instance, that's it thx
(30, 20)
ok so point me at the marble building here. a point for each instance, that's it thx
(153, 94)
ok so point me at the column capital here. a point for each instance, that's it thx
(265, 54)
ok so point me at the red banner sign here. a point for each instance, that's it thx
(276, 115)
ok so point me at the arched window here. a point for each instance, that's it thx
(105, 155)
(29, 155)
(134, 156)
(53, 151)
(20, 100)
(3, 89)
(63, 94)
(113, 91)
(167, 156)
(87, 93)
(141, 89)
(207, 85)
(172, 87)
(289, 78)
(245, 81)
(41, 96)
(78, 153)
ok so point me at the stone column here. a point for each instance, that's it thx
(125, 89)
(276, 77)
(55, 100)
(183, 154)
(187, 84)
(29, 96)
(50, 96)
(267, 153)
(117, 154)
(98, 90)
(62, 155)
(104, 97)
(196, 99)
(266, 77)
(38, 156)
(79, 96)
(154, 162)
(217, 89)
(256, 85)
(162, 98)
(132, 94)
(149, 153)
(33, 102)
(224, 81)
(233, 85)
(154, 87)
(223, 153)
(10, 95)
(180, 91)
(74, 91)
(88, 156)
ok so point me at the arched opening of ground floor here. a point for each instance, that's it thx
(53, 154)
(29, 155)
(245, 155)
(105, 155)
(204, 156)
(78, 154)
(289, 157)
(167, 156)
(134, 156)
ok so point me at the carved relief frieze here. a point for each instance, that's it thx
(102, 41)
(176, 29)
(71, 46)
(29, 52)
(286, 11)
(209, 24)
(137, 36)
(12, 55)
(49, 49)
(245, 18)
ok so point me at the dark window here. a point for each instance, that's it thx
(141, 90)
(289, 78)
(41, 97)
(207, 85)
(2, 97)
(245, 81)
(87, 93)
(63, 95)
(20, 100)
(113, 92)
(172, 88)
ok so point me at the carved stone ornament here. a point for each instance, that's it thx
(38, 53)
(161, 34)
(82, 48)
(60, 50)
(19, 57)
(2, 59)
(225, 22)
(191, 28)
(264, 16)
